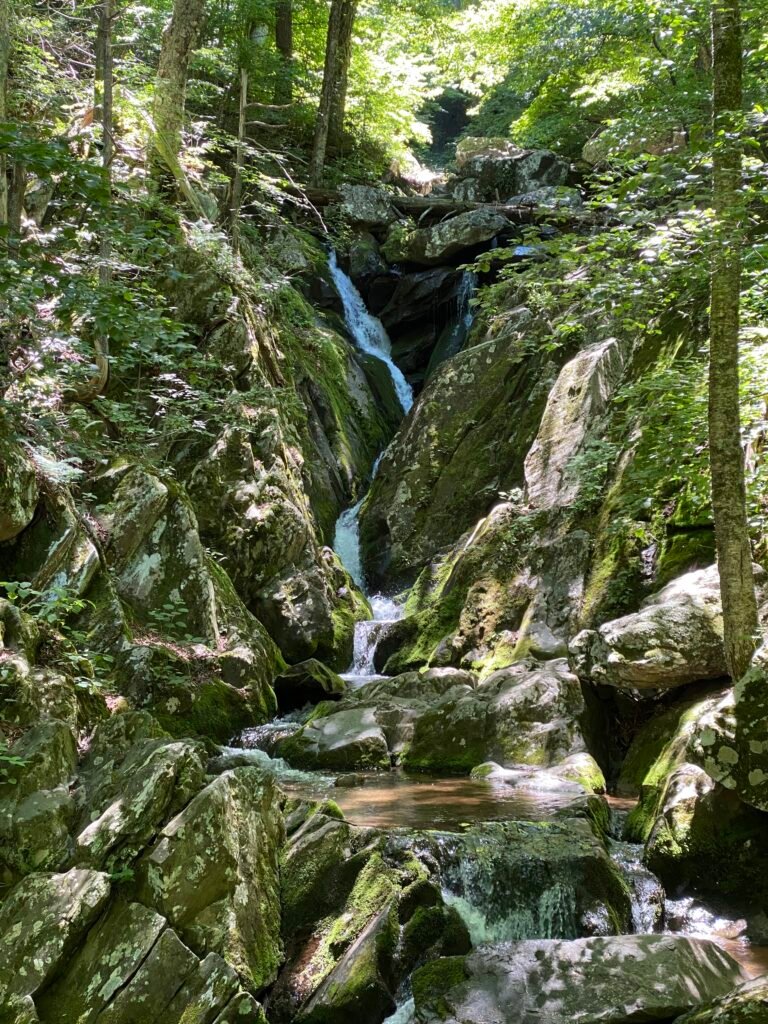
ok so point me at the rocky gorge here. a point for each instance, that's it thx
(380, 698)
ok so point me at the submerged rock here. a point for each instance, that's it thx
(593, 981)
(675, 638)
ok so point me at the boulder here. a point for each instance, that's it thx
(700, 828)
(612, 980)
(453, 455)
(347, 740)
(42, 921)
(365, 258)
(747, 1004)
(498, 169)
(675, 638)
(133, 779)
(418, 297)
(433, 245)
(366, 205)
(113, 952)
(19, 488)
(520, 715)
(730, 741)
(213, 872)
(36, 807)
(347, 898)
(309, 682)
(549, 197)
(580, 395)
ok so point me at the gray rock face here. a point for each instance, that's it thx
(614, 980)
(747, 1004)
(431, 246)
(41, 921)
(366, 205)
(580, 394)
(133, 781)
(675, 638)
(214, 874)
(550, 197)
(19, 490)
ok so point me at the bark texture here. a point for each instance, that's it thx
(726, 454)
(179, 40)
(333, 98)
(284, 44)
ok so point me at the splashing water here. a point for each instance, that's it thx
(404, 1014)
(368, 332)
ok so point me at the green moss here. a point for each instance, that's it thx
(684, 552)
(431, 982)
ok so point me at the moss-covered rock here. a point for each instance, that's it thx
(747, 1004)
(214, 873)
(19, 488)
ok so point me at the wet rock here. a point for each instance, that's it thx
(580, 394)
(620, 979)
(19, 489)
(366, 205)
(348, 739)
(134, 779)
(675, 638)
(213, 872)
(700, 828)
(434, 245)
(365, 259)
(42, 920)
(747, 1004)
(521, 880)
(418, 297)
(307, 683)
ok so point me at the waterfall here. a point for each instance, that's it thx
(452, 338)
(368, 332)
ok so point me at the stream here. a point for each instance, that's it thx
(462, 818)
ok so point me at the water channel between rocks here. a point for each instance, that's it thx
(446, 807)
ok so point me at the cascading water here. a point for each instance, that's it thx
(456, 333)
(370, 336)
(368, 332)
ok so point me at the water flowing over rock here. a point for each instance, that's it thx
(593, 981)
(368, 332)
(516, 880)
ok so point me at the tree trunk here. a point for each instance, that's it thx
(103, 105)
(284, 44)
(5, 56)
(179, 40)
(237, 182)
(330, 115)
(734, 554)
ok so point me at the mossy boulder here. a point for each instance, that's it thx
(42, 921)
(214, 873)
(307, 683)
(347, 740)
(432, 246)
(730, 741)
(675, 638)
(19, 487)
(747, 1004)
